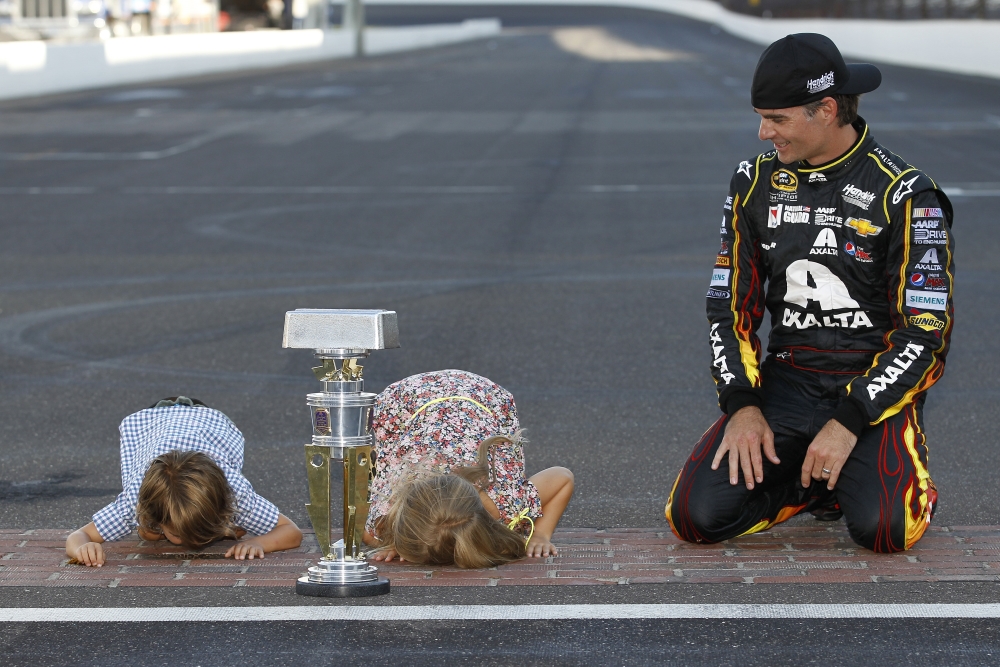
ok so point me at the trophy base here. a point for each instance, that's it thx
(361, 589)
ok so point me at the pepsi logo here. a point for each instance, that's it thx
(849, 249)
(917, 279)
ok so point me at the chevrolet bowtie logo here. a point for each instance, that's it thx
(863, 227)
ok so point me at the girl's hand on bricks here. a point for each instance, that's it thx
(387, 555)
(539, 546)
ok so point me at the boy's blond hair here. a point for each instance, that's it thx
(440, 519)
(187, 493)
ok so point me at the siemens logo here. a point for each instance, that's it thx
(926, 300)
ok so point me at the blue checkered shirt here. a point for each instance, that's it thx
(155, 431)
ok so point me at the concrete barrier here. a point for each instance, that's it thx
(40, 68)
(962, 46)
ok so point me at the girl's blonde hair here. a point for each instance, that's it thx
(440, 519)
(188, 493)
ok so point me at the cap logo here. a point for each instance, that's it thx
(822, 83)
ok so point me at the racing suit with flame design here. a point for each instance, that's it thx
(853, 261)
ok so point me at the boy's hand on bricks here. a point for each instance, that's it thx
(245, 550)
(91, 554)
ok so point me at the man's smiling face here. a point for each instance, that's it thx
(796, 135)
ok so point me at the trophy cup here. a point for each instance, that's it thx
(340, 416)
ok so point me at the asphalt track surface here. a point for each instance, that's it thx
(535, 213)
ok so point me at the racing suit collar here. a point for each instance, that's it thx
(845, 160)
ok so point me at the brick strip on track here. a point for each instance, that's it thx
(794, 554)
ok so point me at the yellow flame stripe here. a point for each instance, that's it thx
(670, 501)
(747, 355)
(915, 525)
(784, 514)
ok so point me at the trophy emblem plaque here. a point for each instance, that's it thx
(340, 415)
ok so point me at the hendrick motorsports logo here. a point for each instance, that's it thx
(821, 83)
(852, 194)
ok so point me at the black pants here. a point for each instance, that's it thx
(884, 488)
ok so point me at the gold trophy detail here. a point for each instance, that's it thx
(340, 417)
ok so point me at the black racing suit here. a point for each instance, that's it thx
(856, 256)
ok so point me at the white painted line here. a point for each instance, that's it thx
(495, 612)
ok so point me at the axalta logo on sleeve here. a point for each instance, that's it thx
(929, 262)
(926, 300)
(719, 359)
(829, 292)
(898, 366)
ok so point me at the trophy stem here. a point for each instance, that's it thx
(340, 416)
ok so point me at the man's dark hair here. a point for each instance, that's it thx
(847, 108)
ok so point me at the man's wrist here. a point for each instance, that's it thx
(734, 399)
(851, 415)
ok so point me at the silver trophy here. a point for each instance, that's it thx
(340, 415)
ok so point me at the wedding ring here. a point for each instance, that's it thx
(827, 471)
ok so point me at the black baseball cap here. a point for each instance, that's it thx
(806, 67)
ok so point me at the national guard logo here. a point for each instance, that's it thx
(863, 227)
(785, 181)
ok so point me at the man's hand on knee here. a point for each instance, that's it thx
(746, 431)
(827, 454)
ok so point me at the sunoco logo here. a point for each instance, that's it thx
(927, 322)
(852, 194)
(785, 181)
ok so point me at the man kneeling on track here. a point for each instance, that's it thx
(855, 247)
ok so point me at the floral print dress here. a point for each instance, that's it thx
(435, 421)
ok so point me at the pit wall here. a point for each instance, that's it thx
(42, 68)
(967, 46)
